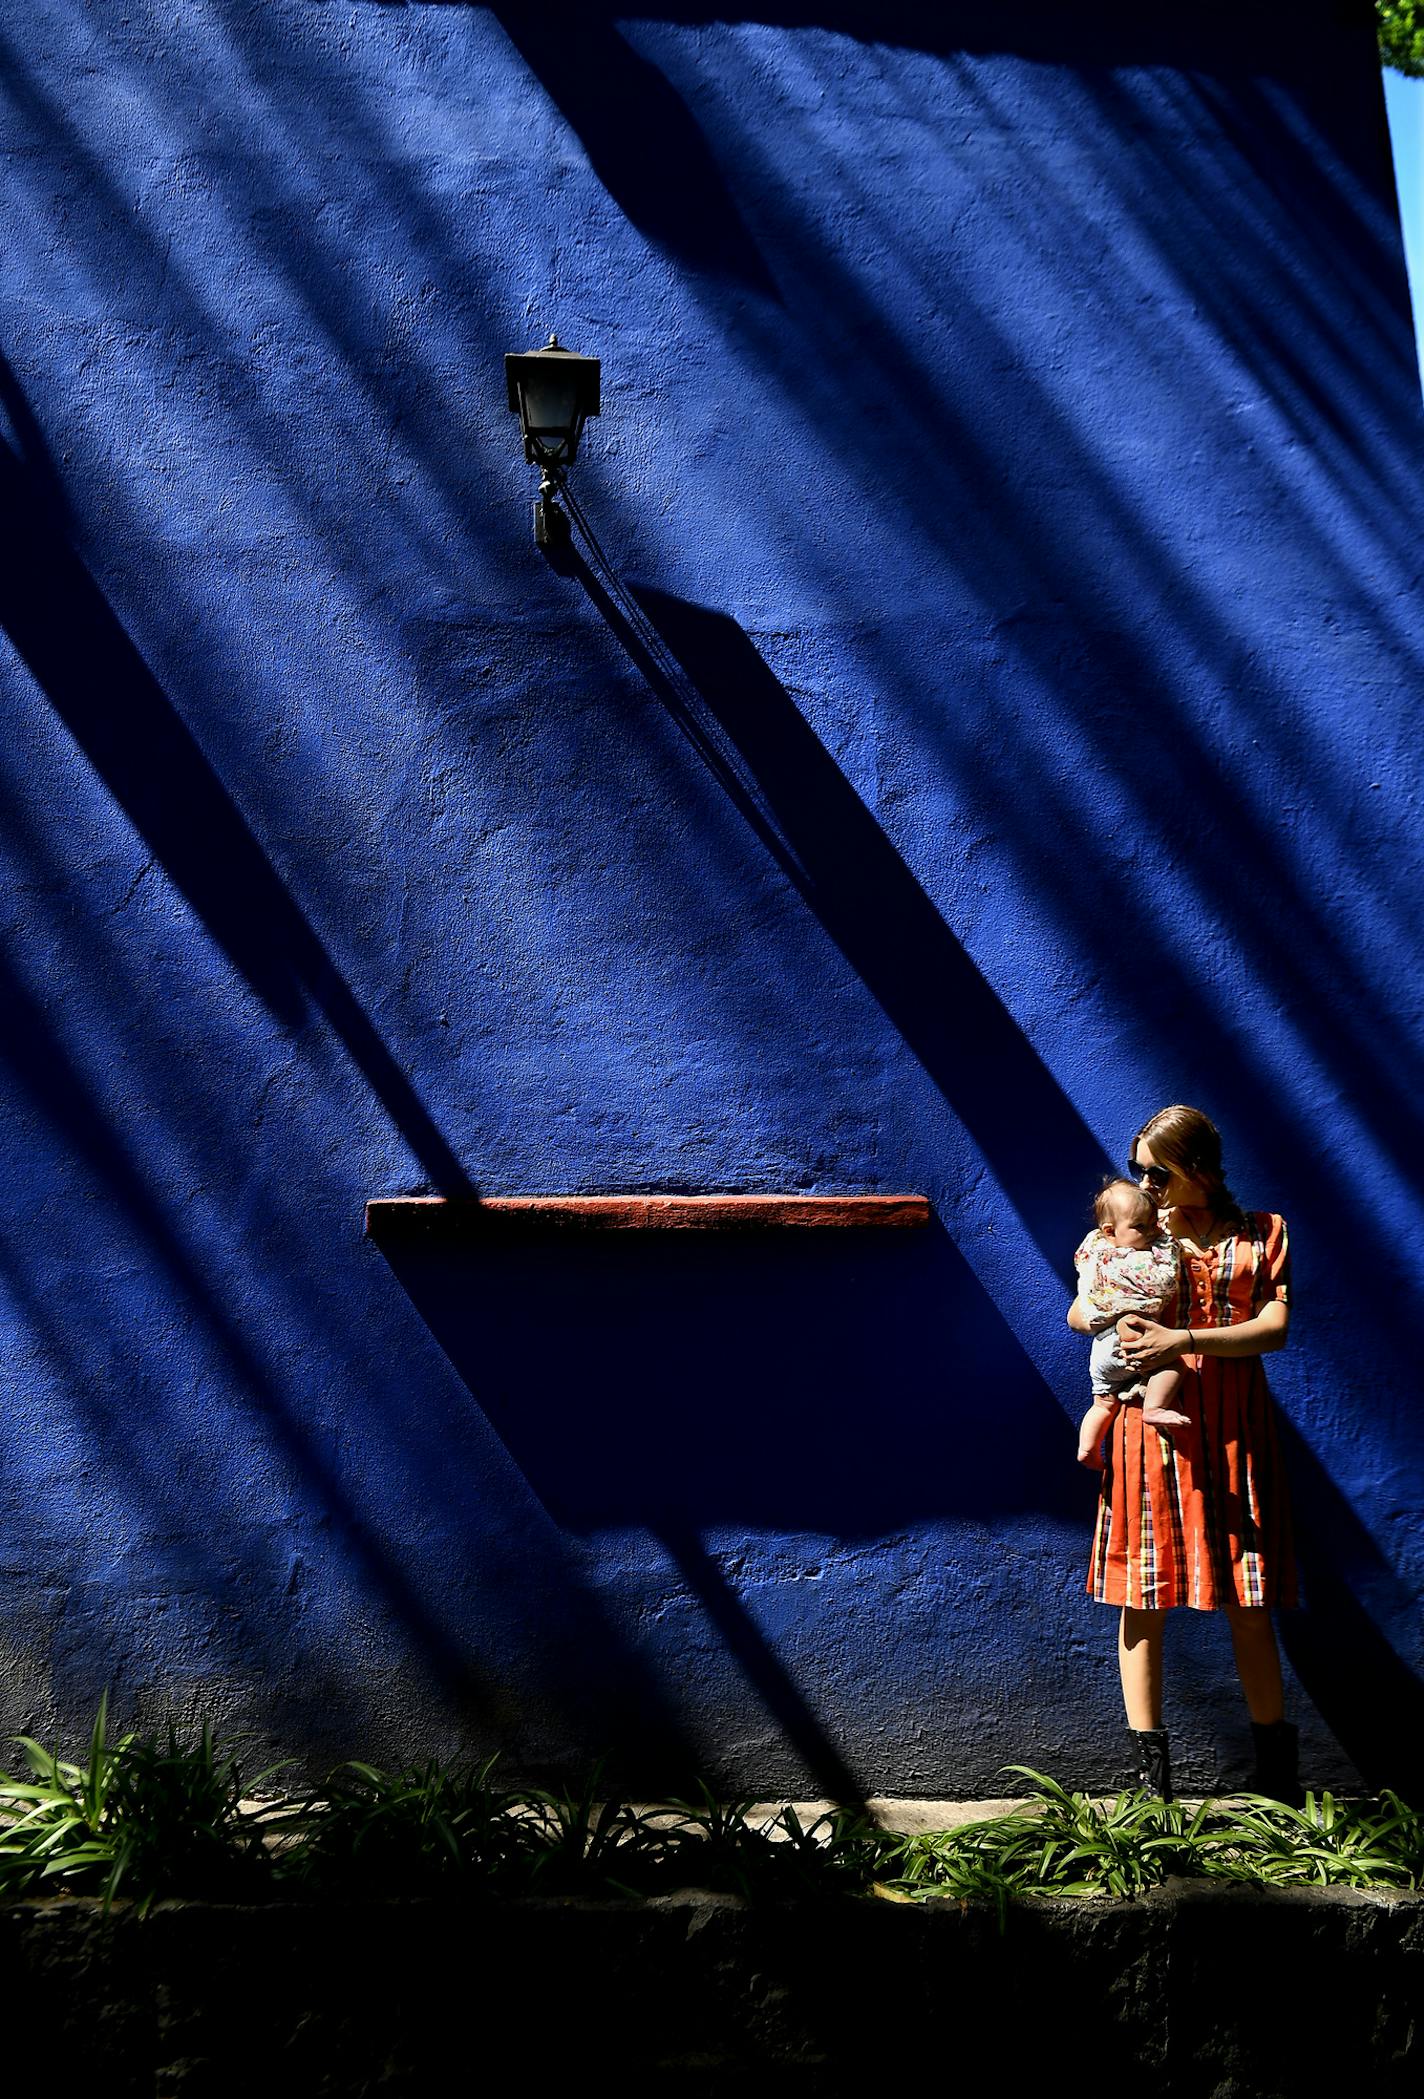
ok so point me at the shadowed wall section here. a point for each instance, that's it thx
(989, 711)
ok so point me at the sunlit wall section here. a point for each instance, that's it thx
(987, 710)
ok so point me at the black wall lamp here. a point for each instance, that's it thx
(552, 391)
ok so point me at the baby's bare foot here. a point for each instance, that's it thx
(1091, 1454)
(1164, 1418)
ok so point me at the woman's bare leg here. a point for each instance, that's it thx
(1258, 1661)
(1139, 1658)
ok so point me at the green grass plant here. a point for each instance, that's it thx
(1063, 1843)
(734, 1848)
(581, 1843)
(423, 1830)
(971, 1864)
(1069, 1844)
(139, 1817)
(1325, 1843)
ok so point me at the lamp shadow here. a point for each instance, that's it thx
(751, 734)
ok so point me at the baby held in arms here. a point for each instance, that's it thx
(1128, 1264)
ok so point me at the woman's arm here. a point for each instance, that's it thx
(1078, 1317)
(1145, 1343)
(1083, 1315)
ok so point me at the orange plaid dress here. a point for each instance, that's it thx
(1204, 1519)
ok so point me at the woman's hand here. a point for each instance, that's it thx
(1146, 1346)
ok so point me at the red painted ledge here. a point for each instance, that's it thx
(409, 1216)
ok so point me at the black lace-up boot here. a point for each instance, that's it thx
(1154, 1765)
(1277, 1772)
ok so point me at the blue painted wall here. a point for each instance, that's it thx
(995, 714)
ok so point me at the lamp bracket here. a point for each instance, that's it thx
(551, 525)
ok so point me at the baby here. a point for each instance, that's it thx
(1129, 1264)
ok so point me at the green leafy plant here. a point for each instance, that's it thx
(179, 1815)
(1068, 1844)
(142, 1817)
(971, 1864)
(581, 1845)
(404, 1832)
(1400, 1831)
(1075, 1845)
(718, 1845)
(1062, 1844)
(1400, 25)
(426, 1830)
(1326, 1843)
(138, 1816)
(57, 1822)
(714, 1844)
(841, 1848)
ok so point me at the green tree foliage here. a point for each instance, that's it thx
(1401, 34)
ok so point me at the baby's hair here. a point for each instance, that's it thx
(1121, 1200)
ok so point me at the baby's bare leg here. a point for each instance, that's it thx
(1159, 1400)
(1091, 1430)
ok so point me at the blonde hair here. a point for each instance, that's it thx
(1189, 1143)
(1120, 1200)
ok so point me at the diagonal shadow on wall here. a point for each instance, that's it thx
(74, 646)
(636, 128)
(1214, 36)
(835, 1383)
(650, 153)
(1371, 1698)
(605, 1691)
(751, 734)
(63, 629)
(686, 1385)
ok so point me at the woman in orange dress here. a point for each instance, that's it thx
(1202, 1520)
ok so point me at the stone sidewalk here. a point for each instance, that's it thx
(907, 1818)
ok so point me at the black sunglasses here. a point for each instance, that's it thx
(1157, 1175)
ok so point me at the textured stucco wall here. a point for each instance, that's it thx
(998, 716)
